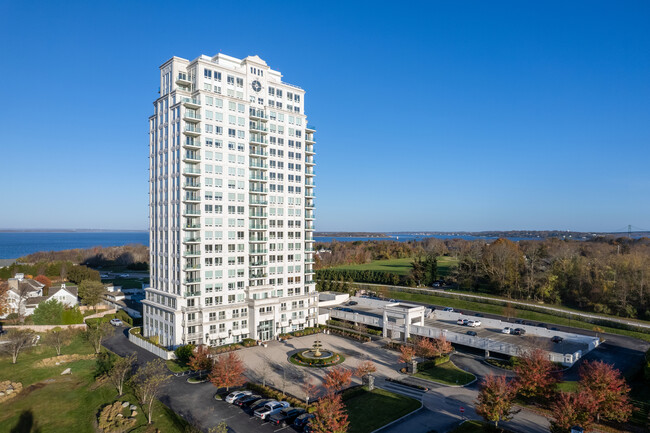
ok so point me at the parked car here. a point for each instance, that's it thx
(104, 276)
(474, 323)
(116, 322)
(270, 408)
(352, 303)
(286, 416)
(557, 339)
(303, 420)
(235, 395)
(258, 404)
(519, 322)
(554, 329)
(247, 400)
(506, 330)
(448, 309)
(519, 331)
(462, 321)
(542, 325)
(124, 275)
(478, 315)
(472, 333)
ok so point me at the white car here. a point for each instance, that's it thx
(124, 275)
(236, 394)
(448, 309)
(116, 322)
(474, 323)
(506, 330)
(271, 408)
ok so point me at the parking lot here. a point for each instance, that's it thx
(238, 416)
(495, 334)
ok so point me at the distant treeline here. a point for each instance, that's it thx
(63, 270)
(605, 275)
(134, 256)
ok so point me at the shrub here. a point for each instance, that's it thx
(124, 317)
(183, 353)
(268, 392)
(248, 342)
(72, 316)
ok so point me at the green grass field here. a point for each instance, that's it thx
(446, 373)
(401, 266)
(497, 309)
(51, 403)
(369, 410)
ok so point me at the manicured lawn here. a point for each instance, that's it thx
(476, 427)
(570, 386)
(446, 373)
(401, 266)
(497, 309)
(176, 366)
(369, 410)
(50, 402)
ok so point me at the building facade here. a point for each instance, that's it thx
(231, 204)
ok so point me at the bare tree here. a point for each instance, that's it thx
(57, 338)
(148, 381)
(96, 334)
(15, 341)
(23, 291)
(120, 371)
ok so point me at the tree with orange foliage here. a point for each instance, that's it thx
(443, 346)
(227, 370)
(425, 348)
(608, 389)
(200, 359)
(570, 409)
(495, 399)
(406, 354)
(337, 379)
(536, 374)
(43, 280)
(330, 416)
(364, 368)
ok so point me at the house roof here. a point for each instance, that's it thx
(35, 300)
(73, 290)
(31, 285)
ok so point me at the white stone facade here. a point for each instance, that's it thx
(231, 204)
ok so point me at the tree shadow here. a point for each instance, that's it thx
(26, 423)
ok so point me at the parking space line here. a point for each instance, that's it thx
(280, 429)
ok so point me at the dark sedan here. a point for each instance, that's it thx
(247, 400)
(286, 416)
(303, 420)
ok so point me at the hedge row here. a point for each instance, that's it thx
(373, 277)
(350, 325)
(268, 392)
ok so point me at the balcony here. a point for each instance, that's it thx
(192, 157)
(192, 253)
(192, 130)
(191, 102)
(192, 293)
(183, 80)
(309, 204)
(258, 127)
(192, 185)
(309, 160)
(258, 251)
(191, 142)
(192, 171)
(257, 275)
(258, 239)
(192, 267)
(309, 149)
(259, 165)
(260, 177)
(192, 281)
(191, 116)
(257, 214)
(192, 240)
(309, 215)
(258, 203)
(258, 114)
(309, 250)
(258, 140)
(253, 226)
(309, 171)
(192, 227)
(191, 198)
(309, 261)
(258, 152)
(190, 211)
(257, 263)
(309, 139)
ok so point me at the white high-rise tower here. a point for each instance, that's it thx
(231, 204)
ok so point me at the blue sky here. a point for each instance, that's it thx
(431, 116)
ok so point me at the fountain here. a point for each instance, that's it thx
(317, 356)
